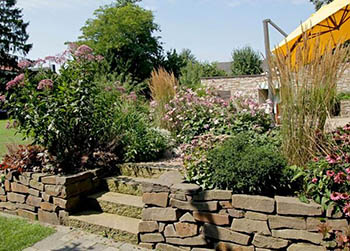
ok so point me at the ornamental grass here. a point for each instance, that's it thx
(163, 89)
(308, 85)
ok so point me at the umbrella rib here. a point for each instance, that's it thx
(325, 26)
(333, 21)
(345, 12)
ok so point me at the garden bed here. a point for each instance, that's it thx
(44, 197)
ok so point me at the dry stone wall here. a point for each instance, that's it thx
(250, 85)
(44, 197)
(182, 217)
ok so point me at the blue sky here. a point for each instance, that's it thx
(211, 29)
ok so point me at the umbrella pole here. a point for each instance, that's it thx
(271, 97)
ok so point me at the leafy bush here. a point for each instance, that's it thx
(139, 141)
(192, 73)
(190, 114)
(246, 61)
(240, 164)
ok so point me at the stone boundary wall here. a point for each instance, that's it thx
(182, 217)
(251, 84)
(44, 197)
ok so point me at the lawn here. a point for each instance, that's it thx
(17, 234)
(8, 137)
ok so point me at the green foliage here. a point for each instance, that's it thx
(139, 141)
(123, 33)
(192, 73)
(13, 38)
(246, 61)
(343, 96)
(319, 3)
(240, 164)
(174, 62)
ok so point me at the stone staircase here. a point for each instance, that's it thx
(117, 211)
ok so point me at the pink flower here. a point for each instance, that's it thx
(344, 196)
(346, 209)
(2, 98)
(330, 173)
(45, 83)
(99, 58)
(314, 180)
(23, 64)
(83, 51)
(339, 178)
(132, 96)
(18, 80)
(335, 196)
(316, 159)
(347, 170)
(50, 58)
(331, 159)
(347, 127)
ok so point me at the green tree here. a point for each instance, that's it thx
(13, 39)
(246, 61)
(319, 3)
(123, 33)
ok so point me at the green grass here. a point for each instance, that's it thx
(8, 137)
(17, 234)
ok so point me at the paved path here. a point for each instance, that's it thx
(70, 239)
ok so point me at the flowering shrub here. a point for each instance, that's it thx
(189, 114)
(80, 122)
(327, 179)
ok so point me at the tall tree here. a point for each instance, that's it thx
(123, 33)
(13, 37)
(319, 3)
(246, 61)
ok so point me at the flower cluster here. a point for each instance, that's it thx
(191, 114)
(45, 84)
(15, 82)
(23, 64)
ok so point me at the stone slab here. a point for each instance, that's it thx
(253, 203)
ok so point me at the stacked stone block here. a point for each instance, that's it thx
(182, 217)
(44, 197)
(345, 108)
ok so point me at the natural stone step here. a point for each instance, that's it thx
(148, 169)
(116, 203)
(119, 228)
(126, 184)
